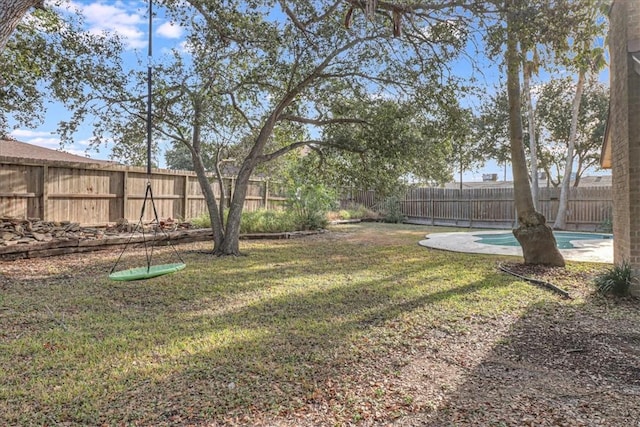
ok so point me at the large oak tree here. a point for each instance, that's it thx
(254, 70)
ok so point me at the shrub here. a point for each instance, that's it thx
(391, 211)
(309, 205)
(352, 212)
(203, 221)
(345, 214)
(266, 221)
(260, 221)
(615, 280)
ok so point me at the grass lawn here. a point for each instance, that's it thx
(358, 325)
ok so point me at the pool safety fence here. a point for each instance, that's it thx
(589, 208)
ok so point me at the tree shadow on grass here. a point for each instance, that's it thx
(557, 365)
(226, 338)
(196, 348)
(279, 355)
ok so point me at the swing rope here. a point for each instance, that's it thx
(157, 270)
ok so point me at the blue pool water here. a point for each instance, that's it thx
(563, 238)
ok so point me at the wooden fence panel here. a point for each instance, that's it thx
(168, 196)
(196, 204)
(588, 208)
(355, 197)
(19, 190)
(97, 194)
(276, 195)
(78, 195)
(416, 203)
(492, 206)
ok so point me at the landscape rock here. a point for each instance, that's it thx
(34, 230)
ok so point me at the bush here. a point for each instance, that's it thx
(391, 211)
(606, 226)
(203, 221)
(260, 221)
(352, 212)
(309, 205)
(345, 214)
(266, 221)
(616, 280)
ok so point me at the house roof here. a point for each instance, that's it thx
(22, 150)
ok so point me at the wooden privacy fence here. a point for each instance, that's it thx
(98, 194)
(589, 208)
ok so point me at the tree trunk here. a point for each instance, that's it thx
(203, 180)
(561, 218)
(11, 13)
(231, 242)
(210, 199)
(533, 234)
(532, 135)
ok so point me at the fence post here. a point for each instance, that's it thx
(185, 197)
(125, 194)
(470, 208)
(45, 193)
(266, 194)
(432, 207)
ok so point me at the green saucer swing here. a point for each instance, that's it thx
(140, 273)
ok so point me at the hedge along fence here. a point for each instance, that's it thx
(589, 208)
(98, 194)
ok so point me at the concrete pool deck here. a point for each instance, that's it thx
(600, 250)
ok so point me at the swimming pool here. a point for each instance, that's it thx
(563, 238)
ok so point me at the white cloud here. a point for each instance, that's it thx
(39, 138)
(27, 133)
(84, 142)
(126, 18)
(169, 30)
(51, 141)
(114, 17)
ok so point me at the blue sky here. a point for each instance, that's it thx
(128, 18)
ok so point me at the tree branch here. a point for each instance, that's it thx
(287, 149)
(319, 122)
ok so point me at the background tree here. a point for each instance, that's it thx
(492, 127)
(548, 25)
(529, 68)
(460, 128)
(533, 234)
(555, 116)
(586, 59)
(398, 142)
(50, 58)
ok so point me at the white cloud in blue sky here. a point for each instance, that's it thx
(169, 30)
(126, 19)
(40, 138)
